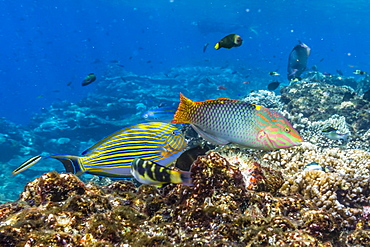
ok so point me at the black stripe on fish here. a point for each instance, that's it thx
(28, 163)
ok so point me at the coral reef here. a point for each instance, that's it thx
(235, 201)
(265, 98)
(343, 191)
(320, 101)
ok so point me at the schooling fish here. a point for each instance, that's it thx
(229, 41)
(298, 60)
(90, 78)
(333, 134)
(222, 121)
(112, 156)
(149, 172)
(163, 114)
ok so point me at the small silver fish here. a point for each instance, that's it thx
(334, 134)
(316, 166)
(313, 166)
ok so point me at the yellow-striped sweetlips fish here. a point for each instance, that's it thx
(149, 172)
(112, 156)
(223, 121)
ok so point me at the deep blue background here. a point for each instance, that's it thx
(47, 44)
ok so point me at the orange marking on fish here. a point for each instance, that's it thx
(262, 116)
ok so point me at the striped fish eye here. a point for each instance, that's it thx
(287, 130)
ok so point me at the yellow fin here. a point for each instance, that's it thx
(217, 46)
(184, 110)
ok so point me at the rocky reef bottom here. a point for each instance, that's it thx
(230, 204)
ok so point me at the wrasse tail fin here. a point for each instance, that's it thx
(71, 163)
(184, 110)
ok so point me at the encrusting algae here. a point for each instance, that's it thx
(235, 201)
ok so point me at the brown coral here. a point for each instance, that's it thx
(219, 210)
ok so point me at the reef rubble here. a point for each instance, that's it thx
(238, 199)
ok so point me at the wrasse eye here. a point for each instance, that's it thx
(287, 130)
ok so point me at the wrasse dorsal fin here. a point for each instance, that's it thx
(219, 101)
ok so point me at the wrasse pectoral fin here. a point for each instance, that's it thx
(27, 164)
(210, 138)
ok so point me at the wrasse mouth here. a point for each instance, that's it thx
(297, 142)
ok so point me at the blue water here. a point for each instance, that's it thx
(48, 47)
(45, 45)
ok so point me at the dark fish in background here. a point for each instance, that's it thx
(339, 72)
(90, 78)
(205, 47)
(187, 158)
(359, 72)
(273, 85)
(366, 95)
(274, 73)
(298, 60)
(229, 41)
(69, 83)
(322, 59)
(348, 96)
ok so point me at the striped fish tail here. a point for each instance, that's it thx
(71, 163)
(181, 177)
(184, 110)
